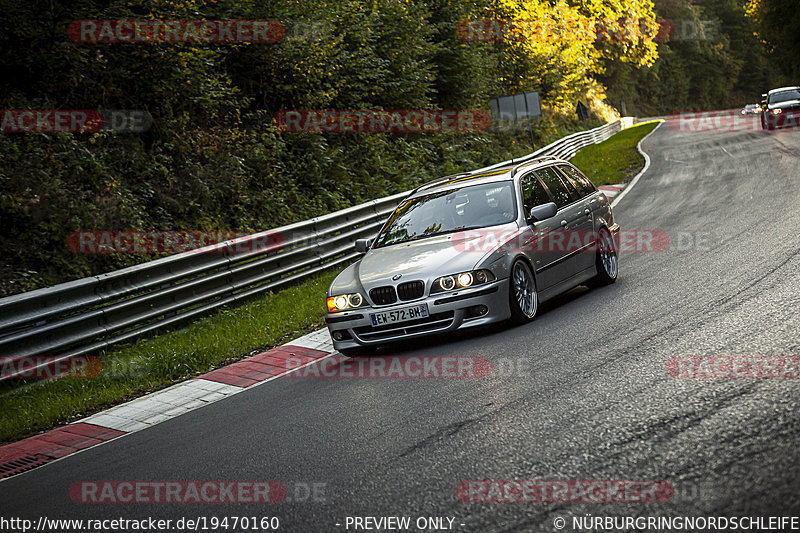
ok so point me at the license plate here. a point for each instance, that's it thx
(399, 315)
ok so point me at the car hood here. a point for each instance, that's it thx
(425, 259)
(422, 259)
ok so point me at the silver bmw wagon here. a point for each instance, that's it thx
(471, 249)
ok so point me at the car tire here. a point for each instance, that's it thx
(522, 296)
(606, 260)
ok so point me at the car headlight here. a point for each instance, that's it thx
(344, 301)
(462, 280)
(777, 111)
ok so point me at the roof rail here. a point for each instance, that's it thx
(440, 180)
(531, 162)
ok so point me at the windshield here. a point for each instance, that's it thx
(784, 96)
(476, 206)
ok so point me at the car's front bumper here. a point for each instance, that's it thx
(447, 311)
(789, 118)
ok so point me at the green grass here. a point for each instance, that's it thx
(133, 370)
(616, 159)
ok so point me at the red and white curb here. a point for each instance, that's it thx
(157, 407)
(611, 190)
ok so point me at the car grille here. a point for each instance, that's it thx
(383, 295)
(434, 322)
(410, 290)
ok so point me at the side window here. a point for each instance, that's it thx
(581, 182)
(562, 193)
(533, 193)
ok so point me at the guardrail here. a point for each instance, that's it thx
(91, 314)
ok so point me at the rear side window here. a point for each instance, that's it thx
(581, 182)
(533, 193)
(563, 194)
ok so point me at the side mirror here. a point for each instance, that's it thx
(362, 245)
(543, 212)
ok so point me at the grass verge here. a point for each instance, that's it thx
(616, 159)
(135, 369)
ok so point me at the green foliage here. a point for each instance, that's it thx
(713, 61)
(213, 160)
(777, 23)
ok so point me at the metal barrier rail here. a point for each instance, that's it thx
(93, 313)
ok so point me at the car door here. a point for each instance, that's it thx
(590, 202)
(536, 239)
(574, 221)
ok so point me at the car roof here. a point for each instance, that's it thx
(480, 177)
(781, 89)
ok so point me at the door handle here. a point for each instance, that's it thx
(587, 211)
(564, 223)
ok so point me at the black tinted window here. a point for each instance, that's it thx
(581, 182)
(533, 193)
(784, 96)
(562, 193)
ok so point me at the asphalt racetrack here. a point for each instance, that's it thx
(581, 393)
